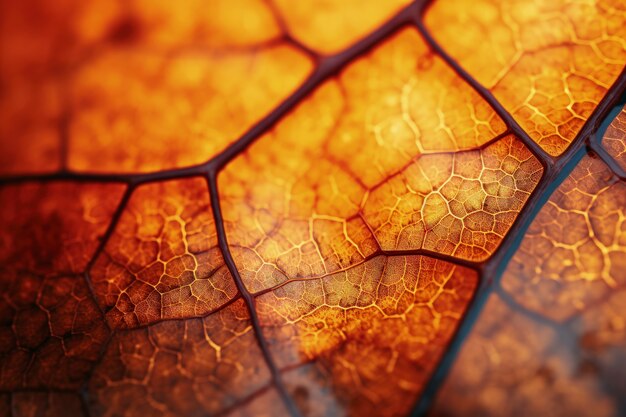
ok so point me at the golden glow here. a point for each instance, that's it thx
(163, 262)
(549, 62)
(328, 26)
(200, 100)
(139, 85)
(458, 204)
(299, 204)
(375, 331)
(203, 84)
(247, 207)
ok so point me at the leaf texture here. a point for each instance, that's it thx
(272, 208)
(554, 330)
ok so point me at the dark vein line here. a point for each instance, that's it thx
(608, 160)
(66, 176)
(595, 141)
(181, 319)
(412, 161)
(84, 403)
(457, 262)
(83, 389)
(245, 401)
(287, 36)
(117, 214)
(105, 239)
(327, 67)
(247, 296)
(131, 179)
(520, 309)
(494, 268)
(545, 159)
(426, 398)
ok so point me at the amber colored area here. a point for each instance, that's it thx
(548, 62)
(613, 139)
(197, 98)
(300, 204)
(162, 261)
(366, 338)
(394, 104)
(136, 85)
(347, 193)
(555, 341)
(468, 200)
(327, 26)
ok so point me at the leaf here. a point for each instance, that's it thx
(548, 62)
(556, 329)
(253, 208)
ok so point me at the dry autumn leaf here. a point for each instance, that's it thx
(272, 208)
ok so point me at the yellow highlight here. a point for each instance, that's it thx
(548, 62)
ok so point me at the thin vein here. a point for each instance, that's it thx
(495, 266)
(247, 296)
(545, 159)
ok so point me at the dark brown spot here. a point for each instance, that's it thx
(125, 31)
